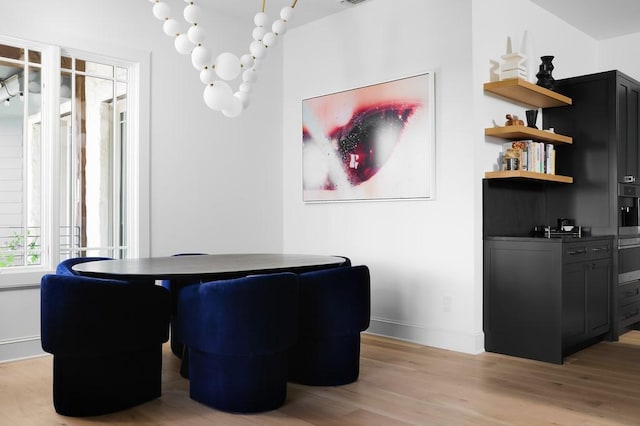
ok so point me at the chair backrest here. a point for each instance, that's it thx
(82, 315)
(335, 302)
(64, 267)
(253, 315)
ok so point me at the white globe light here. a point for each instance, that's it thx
(279, 27)
(192, 13)
(258, 33)
(257, 64)
(171, 27)
(196, 34)
(234, 108)
(244, 98)
(246, 60)
(218, 95)
(250, 76)
(286, 14)
(245, 87)
(161, 10)
(257, 49)
(260, 19)
(269, 39)
(183, 45)
(227, 66)
(207, 75)
(201, 57)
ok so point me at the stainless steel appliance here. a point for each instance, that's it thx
(628, 209)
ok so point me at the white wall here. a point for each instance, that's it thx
(620, 54)
(420, 253)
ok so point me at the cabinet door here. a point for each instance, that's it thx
(629, 132)
(574, 303)
(598, 280)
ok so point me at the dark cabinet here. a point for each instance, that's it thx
(586, 301)
(628, 92)
(546, 298)
(605, 123)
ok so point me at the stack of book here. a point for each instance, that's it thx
(532, 156)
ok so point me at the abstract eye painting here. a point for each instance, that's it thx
(371, 143)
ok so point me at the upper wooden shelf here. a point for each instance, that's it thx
(524, 132)
(522, 91)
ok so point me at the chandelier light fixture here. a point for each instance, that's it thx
(217, 73)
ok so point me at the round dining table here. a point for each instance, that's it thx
(207, 266)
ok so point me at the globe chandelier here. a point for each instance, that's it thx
(217, 72)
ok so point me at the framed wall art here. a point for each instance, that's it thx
(370, 143)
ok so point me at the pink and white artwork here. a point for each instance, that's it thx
(370, 143)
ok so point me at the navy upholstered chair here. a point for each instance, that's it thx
(335, 306)
(64, 267)
(106, 338)
(238, 333)
(174, 286)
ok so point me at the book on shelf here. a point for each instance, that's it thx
(529, 155)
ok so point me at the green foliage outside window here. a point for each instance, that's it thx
(14, 247)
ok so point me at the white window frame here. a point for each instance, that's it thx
(138, 185)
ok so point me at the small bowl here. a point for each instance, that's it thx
(567, 228)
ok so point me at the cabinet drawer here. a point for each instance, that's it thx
(629, 293)
(588, 250)
(600, 249)
(629, 314)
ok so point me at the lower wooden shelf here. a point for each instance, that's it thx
(524, 174)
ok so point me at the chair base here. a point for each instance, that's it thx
(238, 384)
(325, 361)
(96, 385)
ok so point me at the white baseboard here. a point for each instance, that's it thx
(23, 348)
(471, 343)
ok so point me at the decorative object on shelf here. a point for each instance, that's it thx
(216, 71)
(370, 143)
(513, 120)
(545, 79)
(512, 64)
(494, 71)
(532, 118)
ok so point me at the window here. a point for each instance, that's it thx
(63, 185)
(20, 156)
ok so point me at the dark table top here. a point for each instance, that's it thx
(211, 266)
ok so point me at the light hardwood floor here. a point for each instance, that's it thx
(400, 383)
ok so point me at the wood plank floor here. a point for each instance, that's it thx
(400, 383)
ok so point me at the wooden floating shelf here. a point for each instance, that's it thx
(524, 132)
(522, 91)
(524, 174)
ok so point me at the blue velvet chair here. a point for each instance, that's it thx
(64, 267)
(174, 287)
(238, 333)
(106, 338)
(335, 306)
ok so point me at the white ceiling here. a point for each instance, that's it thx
(305, 10)
(601, 19)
